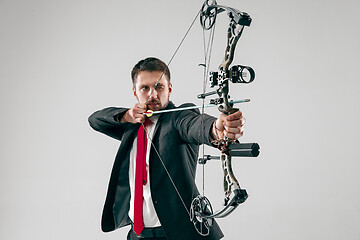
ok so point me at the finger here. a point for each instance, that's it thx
(243, 121)
(140, 119)
(232, 135)
(233, 130)
(220, 122)
(222, 117)
(139, 110)
(236, 115)
(229, 135)
(234, 123)
(242, 129)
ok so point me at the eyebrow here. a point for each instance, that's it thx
(143, 85)
(155, 86)
(159, 84)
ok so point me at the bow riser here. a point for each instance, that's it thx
(230, 181)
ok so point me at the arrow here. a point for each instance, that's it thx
(149, 113)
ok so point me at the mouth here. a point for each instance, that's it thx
(153, 104)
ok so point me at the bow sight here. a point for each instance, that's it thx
(237, 74)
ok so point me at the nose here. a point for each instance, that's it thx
(153, 93)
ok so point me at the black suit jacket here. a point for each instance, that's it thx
(176, 138)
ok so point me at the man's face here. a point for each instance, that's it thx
(144, 86)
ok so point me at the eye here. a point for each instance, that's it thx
(159, 87)
(144, 88)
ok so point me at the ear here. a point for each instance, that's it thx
(134, 92)
(170, 88)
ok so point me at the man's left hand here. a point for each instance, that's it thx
(231, 126)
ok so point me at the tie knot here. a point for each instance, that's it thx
(147, 122)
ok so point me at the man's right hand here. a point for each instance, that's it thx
(135, 114)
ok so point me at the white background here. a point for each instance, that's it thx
(62, 60)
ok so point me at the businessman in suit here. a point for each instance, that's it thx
(171, 143)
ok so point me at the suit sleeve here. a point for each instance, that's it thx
(107, 121)
(192, 126)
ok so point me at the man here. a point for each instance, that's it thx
(172, 146)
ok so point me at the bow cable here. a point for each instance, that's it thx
(207, 58)
(150, 139)
(172, 57)
(207, 54)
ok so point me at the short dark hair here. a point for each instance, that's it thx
(150, 64)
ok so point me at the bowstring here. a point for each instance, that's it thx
(166, 170)
(207, 58)
(172, 57)
(147, 134)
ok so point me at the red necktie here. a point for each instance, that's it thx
(140, 177)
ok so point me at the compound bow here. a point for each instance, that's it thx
(201, 213)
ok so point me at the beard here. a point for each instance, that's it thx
(156, 105)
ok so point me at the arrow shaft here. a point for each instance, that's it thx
(192, 107)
